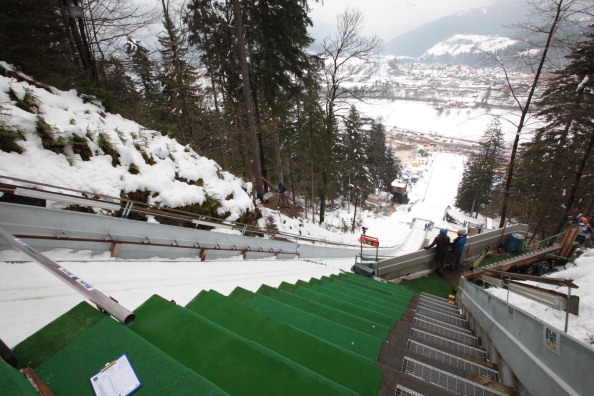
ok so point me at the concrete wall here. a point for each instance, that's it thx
(534, 357)
(423, 260)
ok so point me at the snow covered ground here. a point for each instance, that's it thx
(30, 296)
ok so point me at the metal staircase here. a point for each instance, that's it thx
(435, 352)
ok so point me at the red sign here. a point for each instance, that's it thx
(367, 240)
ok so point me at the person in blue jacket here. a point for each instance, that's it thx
(442, 241)
(457, 249)
(584, 231)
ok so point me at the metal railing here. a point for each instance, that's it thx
(543, 359)
(102, 302)
(128, 206)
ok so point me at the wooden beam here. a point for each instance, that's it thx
(41, 386)
(550, 281)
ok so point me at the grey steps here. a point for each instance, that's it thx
(451, 318)
(393, 356)
(444, 306)
(395, 382)
(478, 367)
(436, 352)
(432, 343)
(440, 341)
(449, 381)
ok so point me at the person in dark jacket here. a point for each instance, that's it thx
(442, 242)
(457, 249)
(282, 198)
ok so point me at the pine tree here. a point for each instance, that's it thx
(383, 167)
(476, 189)
(564, 146)
(142, 66)
(275, 33)
(33, 38)
(353, 176)
(179, 77)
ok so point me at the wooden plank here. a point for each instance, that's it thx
(569, 244)
(42, 388)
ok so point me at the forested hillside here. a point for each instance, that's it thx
(234, 82)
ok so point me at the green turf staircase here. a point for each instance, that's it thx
(322, 337)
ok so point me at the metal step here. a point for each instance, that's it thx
(438, 308)
(455, 320)
(443, 379)
(436, 321)
(445, 331)
(439, 300)
(451, 345)
(446, 307)
(404, 391)
(452, 360)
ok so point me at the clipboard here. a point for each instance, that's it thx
(116, 378)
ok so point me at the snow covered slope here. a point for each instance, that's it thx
(70, 141)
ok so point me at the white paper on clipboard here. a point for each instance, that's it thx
(116, 379)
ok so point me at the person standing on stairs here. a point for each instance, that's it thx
(584, 231)
(282, 199)
(442, 241)
(457, 249)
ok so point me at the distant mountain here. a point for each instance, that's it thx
(492, 20)
(471, 49)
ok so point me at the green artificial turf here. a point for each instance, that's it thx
(235, 364)
(391, 288)
(495, 258)
(389, 306)
(335, 333)
(326, 359)
(68, 372)
(343, 318)
(432, 284)
(13, 382)
(352, 306)
(398, 302)
(56, 335)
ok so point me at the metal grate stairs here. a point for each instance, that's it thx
(431, 351)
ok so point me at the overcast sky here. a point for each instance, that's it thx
(388, 18)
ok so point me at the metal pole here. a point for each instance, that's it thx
(567, 308)
(102, 301)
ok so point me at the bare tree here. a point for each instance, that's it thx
(553, 14)
(345, 54)
(110, 22)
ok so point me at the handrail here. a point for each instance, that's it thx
(99, 299)
(177, 214)
(542, 242)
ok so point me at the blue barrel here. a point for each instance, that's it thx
(515, 242)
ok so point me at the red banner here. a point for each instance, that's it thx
(367, 240)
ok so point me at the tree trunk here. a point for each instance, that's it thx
(525, 108)
(255, 165)
(579, 172)
(277, 155)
